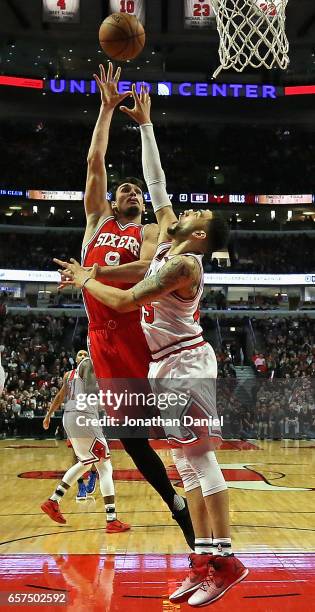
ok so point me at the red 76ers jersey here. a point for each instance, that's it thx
(112, 244)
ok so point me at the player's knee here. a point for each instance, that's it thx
(105, 472)
(209, 473)
(75, 472)
(187, 473)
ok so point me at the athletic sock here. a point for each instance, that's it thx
(178, 504)
(80, 481)
(110, 512)
(203, 546)
(222, 546)
(58, 494)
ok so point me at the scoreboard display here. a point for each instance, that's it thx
(198, 14)
(132, 7)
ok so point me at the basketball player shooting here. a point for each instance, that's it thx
(169, 299)
(89, 446)
(115, 237)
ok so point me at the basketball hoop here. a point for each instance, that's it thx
(252, 33)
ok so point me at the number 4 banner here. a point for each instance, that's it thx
(198, 14)
(132, 7)
(61, 11)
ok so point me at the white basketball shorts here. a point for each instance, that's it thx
(87, 440)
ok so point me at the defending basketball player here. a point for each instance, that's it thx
(89, 446)
(169, 299)
(62, 397)
(122, 248)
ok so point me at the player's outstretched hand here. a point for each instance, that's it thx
(108, 86)
(142, 106)
(72, 274)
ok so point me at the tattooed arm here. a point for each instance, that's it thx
(180, 274)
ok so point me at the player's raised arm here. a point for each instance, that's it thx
(57, 401)
(152, 168)
(179, 274)
(95, 203)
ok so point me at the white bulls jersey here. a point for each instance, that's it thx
(76, 386)
(171, 324)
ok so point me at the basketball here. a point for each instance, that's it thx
(122, 36)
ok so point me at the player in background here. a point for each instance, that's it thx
(60, 398)
(169, 298)
(89, 446)
(2, 373)
(115, 237)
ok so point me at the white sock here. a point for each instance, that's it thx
(110, 512)
(179, 503)
(222, 546)
(58, 494)
(203, 546)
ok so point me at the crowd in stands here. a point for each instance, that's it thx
(35, 355)
(286, 254)
(281, 400)
(282, 409)
(37, 350)
(36, 251)
(260, 159)
(289, 346)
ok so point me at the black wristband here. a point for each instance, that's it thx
(86, 280)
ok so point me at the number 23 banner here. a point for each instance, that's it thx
(198, 14)
(66, 11)
(132, 7)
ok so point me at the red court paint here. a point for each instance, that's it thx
(138, 583)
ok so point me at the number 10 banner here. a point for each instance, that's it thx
(131, 7)
(198, 14)
(61, 11)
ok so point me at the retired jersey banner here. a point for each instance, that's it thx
(61, 11)
(131, 7)
(198, 14)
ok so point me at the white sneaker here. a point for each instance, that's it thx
(223, 573)
(199, 565)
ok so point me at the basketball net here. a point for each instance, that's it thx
(252, 33)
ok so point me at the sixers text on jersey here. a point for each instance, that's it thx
(113, 244)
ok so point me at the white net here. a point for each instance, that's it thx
(252, 33)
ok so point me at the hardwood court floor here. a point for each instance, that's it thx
(272, 493)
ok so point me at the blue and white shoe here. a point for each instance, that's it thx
(81, 494)
(91, 485)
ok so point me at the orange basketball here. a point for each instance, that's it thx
(122, 36)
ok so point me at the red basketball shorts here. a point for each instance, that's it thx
(119, 350)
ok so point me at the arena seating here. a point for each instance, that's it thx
(279, 399)
(286, 156)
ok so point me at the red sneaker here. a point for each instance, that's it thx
(224, 572)
(52, 509)
(117, 527)
(199, 566)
